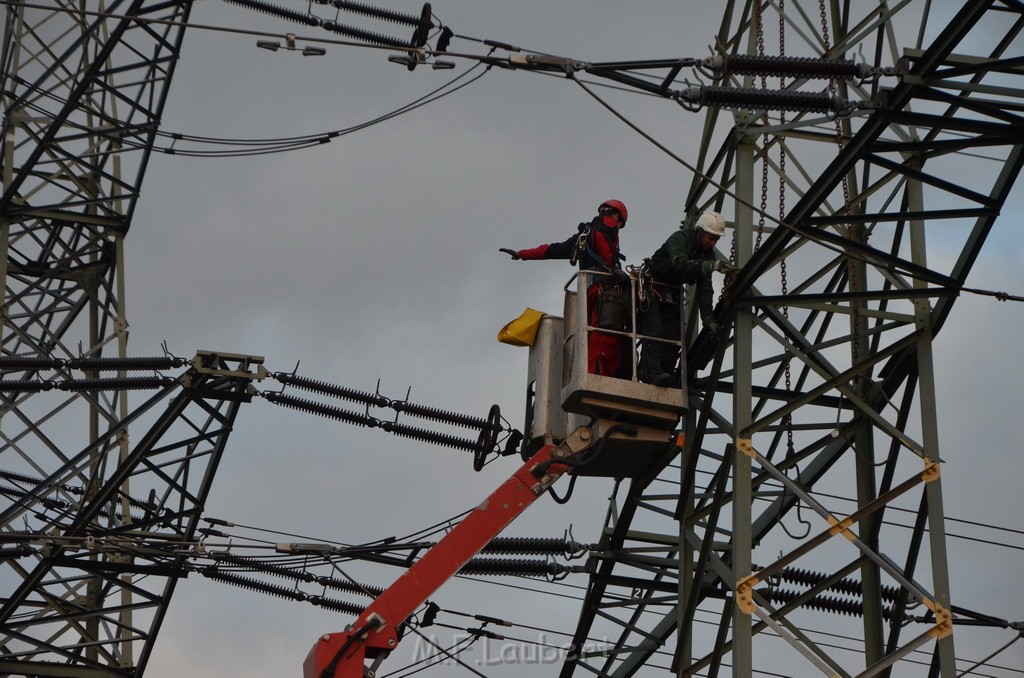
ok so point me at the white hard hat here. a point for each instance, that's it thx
(713, 223)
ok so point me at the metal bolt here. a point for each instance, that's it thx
(391, 642)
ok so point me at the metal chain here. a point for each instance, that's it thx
(733, 257)
(788, 421)
(764, 137)
(824, 30)
(782, 215)
(851, 265)
(782, 37)
(840, 143)
(764, 85)
(764, 192)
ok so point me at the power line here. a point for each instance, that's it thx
(767, 633)
(538, 591)
(297, 143)
(318, 139)
(1002, 296)
(269, 146)
(898, 509)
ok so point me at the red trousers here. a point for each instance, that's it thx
(604, 351)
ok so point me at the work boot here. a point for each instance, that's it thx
(662, 379)
(654, 375)
(652, 368)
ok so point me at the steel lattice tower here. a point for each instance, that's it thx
(825, 387)
(84, 85)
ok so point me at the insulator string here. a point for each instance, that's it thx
(376, 12)
(114, 384)
(321, 409)
(439, 415)
(823, 603)
(307, 384)
(516, 567)
(850, 586)
(365, 36)
(730, 97)
(257, 565)
(442, 439)
(795, 67)
(280, 591)
(135, 363)
(280, 12)
(533, 546)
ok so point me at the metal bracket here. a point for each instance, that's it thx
(217, 363)
(745, 593)
(579, 440)
(542, 60)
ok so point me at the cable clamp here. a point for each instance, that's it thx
(539, 60)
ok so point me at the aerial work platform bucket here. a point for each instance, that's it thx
(637, 419)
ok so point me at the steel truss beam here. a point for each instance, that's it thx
(87, 537)
(83, 91)
(825, 386)
(82, 96)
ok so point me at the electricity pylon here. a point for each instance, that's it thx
(813, 416)
(84, 86)
(820, 387)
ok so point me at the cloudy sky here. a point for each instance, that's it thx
(374, 259)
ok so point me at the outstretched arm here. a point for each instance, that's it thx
(555, 250)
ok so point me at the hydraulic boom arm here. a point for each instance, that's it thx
(375, 633)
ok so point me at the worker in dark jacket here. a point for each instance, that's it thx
(595, 246)
(686, 258)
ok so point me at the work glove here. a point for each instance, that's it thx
(620, 276)
(712, 327)
(720, 265)
(723, 266)
(512, 253)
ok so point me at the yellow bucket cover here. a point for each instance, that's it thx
(523, 330)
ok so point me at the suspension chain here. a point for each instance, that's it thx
(782, 215)
(851, 269)
(764, 136)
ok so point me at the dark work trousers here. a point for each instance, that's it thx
(661, 319)
(604, 351)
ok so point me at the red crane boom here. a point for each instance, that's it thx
(375, 633)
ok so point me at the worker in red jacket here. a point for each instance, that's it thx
(595, 246)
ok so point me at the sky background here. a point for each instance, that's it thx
(373, 259)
